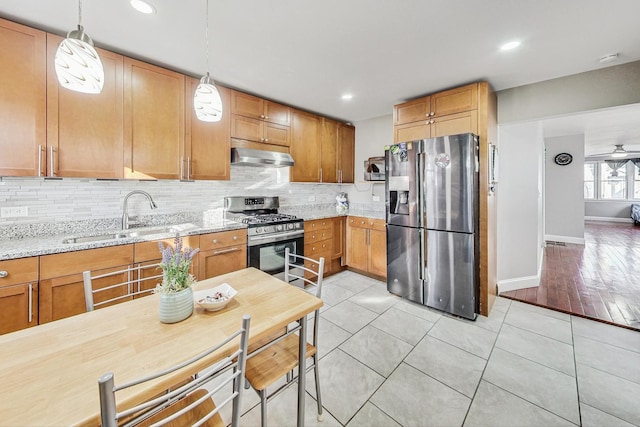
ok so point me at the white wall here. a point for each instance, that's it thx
(371, 137)
(520, 206)
(564, 200)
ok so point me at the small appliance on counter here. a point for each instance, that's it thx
(374, 169)
(342, 203)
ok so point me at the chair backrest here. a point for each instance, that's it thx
(309, 272)
(189, 403)
(102, 289)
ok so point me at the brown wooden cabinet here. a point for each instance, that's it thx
(305, 147)
(256, 119)
(23, 95)
(153, 121)
(207, 144)
(339, 236)
(18, 294)
(222, 253)
(367, 245)
(85, 131)
(337, 152)
(346, 153)
(61, 292)
(318, 242)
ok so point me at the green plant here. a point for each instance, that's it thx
(175, 267)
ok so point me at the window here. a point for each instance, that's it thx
(613, 182)
(589, 180)
(617, 182)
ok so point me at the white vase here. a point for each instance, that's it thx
(176, 307)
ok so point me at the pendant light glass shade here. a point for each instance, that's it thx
(207, 101)
(78, 65)
(619, 152)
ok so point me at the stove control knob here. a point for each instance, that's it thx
(292, 226)
(279, 227)
(259, 230)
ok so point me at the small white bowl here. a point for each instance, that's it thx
(206, 297)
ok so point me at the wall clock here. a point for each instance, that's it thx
(563, 159)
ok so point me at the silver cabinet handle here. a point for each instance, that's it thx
(181, 167)
(320, 174)
(52, 171)
(30, 302)
(40, 149)
(189, 167)
(3, 274)
(226, 251)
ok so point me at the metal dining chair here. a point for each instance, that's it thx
(103, 289)
(279, 357)
(188, 404)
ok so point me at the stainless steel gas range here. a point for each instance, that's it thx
(269, 233)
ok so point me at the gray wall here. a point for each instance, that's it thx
(608, 209)
(563, 192)
(607, 87)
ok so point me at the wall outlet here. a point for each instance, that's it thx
(14, 212)
(376, 198)
(311, 198)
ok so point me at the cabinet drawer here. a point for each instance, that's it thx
(222, 239)
(316, 236)
(146, 251)
(363, 222)
(18, 271)
(318, 224)
(58, 265)
(316, 249)
(314, 267)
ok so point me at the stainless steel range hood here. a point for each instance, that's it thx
(250, 157)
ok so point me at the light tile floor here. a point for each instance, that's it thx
(387, 362)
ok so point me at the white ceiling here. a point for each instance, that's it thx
(308, 53)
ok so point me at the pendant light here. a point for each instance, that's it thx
(206, 100)
(619, 152)
(77, 63)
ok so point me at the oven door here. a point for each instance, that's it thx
(269, 257)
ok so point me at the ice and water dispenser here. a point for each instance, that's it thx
(399, 171)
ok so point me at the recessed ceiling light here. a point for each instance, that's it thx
(510, 45)
(142, 6)
(609, 58)
(347, 96)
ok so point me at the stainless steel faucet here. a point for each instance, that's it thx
(125, 214)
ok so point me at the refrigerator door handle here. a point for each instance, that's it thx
(420, 196)
(422, 255)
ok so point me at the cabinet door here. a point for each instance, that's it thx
(346, 153)
(207, 144)
(153, 121)
(276, 134)
(305, 147)
(221, 261)
(357, 248)
(338, 225)
(247, 105)
(329, 151)
(377, 252)
(18, 307)
(411, 131)
(412, 111)
(454, 124)
(246, 128)
(23, 95)
(456, 100)
(277, 113)
(85, 131)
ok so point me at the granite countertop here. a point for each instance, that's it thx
(44, 244)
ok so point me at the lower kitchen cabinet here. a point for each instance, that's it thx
(61, 290)
(339, 235)
(318, 243)
(18, 294)
(367, 245)
(222, 253)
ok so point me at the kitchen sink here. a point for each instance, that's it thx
(129, 234)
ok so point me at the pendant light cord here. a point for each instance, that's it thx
(206, 35)
(80, 13)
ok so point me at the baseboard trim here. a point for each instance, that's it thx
(564, 239)
(522, 282)
(607, 219)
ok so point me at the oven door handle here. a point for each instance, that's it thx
(278, 237)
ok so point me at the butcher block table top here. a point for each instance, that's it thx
(49, 373)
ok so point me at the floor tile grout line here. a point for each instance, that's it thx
(537, 362)
(536, 333)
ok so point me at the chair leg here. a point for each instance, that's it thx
(263, 407)
(317, 377)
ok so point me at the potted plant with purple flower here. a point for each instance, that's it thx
(176, 296)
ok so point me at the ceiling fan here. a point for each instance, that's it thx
(619, 153)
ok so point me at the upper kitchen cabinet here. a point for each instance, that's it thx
(85, 131)
(329, 170)
(445, 113)
(305, 146)
(23, 100)
(256, 119)
(153, 121)
(346, 153)
(207, 144)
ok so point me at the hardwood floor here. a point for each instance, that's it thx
(600, 280)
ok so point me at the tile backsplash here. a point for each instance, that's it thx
(76, 199)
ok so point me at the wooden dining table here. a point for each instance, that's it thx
(49, 373)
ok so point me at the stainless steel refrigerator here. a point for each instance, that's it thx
(432, 222)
